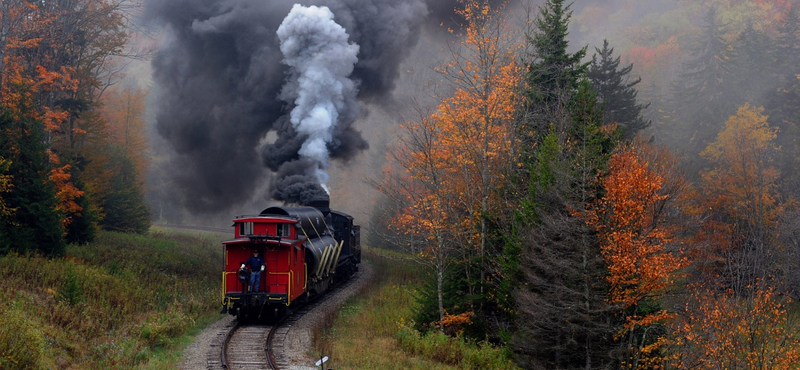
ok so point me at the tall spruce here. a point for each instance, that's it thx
(124, 205)
(552, 73)
(83, 227)
(35, 225)
(782, 102)
(616, 93)
(562, 314)
(700, 94)
(752, 67)
(788, 44)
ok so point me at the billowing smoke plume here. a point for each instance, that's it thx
(321, 60)
(219, 82)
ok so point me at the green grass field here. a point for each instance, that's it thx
(372, 330)
(122, 302)
(133, 302)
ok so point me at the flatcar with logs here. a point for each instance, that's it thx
(305, 250)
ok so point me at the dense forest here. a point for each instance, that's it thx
(73, 143)
(627, 204)
(592, 221)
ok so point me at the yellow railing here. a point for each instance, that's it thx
(224, 284)
(289, 274)
(289, 286)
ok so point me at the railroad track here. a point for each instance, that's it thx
(262, 347)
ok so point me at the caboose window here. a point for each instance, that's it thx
(246, 228)
(284, 230)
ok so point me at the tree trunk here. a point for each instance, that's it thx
(440, 296)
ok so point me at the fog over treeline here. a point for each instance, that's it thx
(218, 77)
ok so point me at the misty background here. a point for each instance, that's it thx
(222, 144)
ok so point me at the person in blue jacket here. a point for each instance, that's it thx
(256, 267)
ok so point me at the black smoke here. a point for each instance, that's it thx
(219, 76)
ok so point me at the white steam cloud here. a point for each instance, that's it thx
(321, 59)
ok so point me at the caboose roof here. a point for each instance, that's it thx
(266, 219)
(248, 240)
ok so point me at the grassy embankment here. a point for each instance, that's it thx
(121, 302)
(133, 302)
(372, 330)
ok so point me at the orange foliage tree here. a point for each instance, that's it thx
(59, 56)
(739, 201)
(5, 186)
(123, 109)
(415, 180)
(725, 331)
(634, 244)
(121, 115)
(445, 171)
(476, 124)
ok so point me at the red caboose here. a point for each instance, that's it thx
(300, 255)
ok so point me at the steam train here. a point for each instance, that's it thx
(306, 250)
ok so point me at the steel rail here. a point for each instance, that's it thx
(223, 353)
(270, 337)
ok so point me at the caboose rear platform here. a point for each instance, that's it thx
(305, 250)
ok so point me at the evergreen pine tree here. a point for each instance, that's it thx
(701, 97)
(563, 316)
(782, 102)
(616, 95)
(124, 206)
(560, 305)
(35, 226)
(552, 73)
(787, 45)
(84, 225)
(752, 67)
(658, 111)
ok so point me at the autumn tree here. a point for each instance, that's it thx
(454, 155)
(119, 159)
(36, 223)
(634, 242)
(721, 330)
(740, 200)
(5, 187)
(67, 52)
(415, 180)
(478, 120)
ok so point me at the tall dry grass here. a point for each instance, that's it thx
(113, 304)
(372, 330)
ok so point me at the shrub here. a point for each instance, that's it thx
(70, 291)
(21, 345)
(158, 331)
(452, 351)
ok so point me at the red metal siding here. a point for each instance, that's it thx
(285, 261)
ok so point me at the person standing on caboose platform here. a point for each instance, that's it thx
(256, 267)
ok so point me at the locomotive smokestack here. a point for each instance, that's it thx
(322, 204)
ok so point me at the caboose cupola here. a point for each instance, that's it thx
(265, 228)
